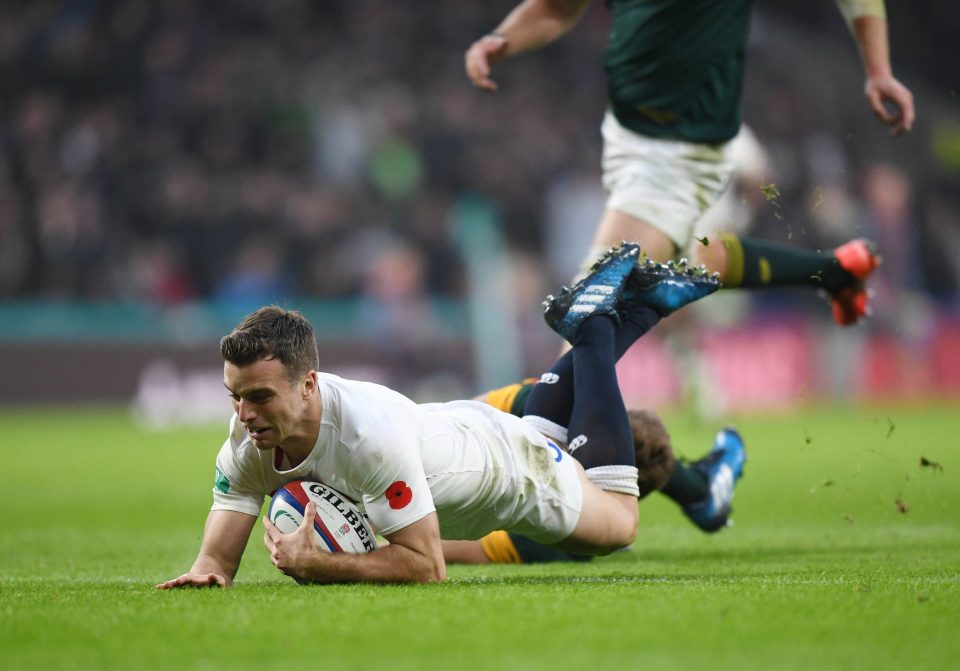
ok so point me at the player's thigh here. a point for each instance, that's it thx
(665, 184)
(616, 226)
(608, 521)
(713, 255)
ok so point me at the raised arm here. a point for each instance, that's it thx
(225, 536)
(868, 24)
(414, 554)
(531, 25)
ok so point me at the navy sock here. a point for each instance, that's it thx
(552, 397)
(599, 431)
(633, 324)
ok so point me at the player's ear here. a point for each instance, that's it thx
(309, 383)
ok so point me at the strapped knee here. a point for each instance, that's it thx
(616, 478)
(551, 430)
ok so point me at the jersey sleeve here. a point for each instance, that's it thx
(388, 469)
(236, 485)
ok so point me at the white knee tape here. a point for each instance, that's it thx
(621, 479)
(551, 430)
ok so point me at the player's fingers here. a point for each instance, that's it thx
(268, 542)
(309, 517)
(479, 73)
(475, 62)
(274, 554)
(875, 98)
(904, 100)
(480, 58)
(179, 581)
(892, 103)
(214, 580)
(191, 580)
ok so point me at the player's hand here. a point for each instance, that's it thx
(885, 89)
(195, 580)
(292, 553)
(481, 57)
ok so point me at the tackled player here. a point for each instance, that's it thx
(424, 472)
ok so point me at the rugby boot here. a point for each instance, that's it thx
(850, 303)
(668, 287)
(596, 294)
(723, 467)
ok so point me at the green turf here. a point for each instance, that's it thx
(823, 569)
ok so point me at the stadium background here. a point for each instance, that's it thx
(167, 166)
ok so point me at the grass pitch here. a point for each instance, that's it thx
(845, 554)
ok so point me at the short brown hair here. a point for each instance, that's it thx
(655, 458)
(273, 333)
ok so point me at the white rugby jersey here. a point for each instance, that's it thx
(475, 465)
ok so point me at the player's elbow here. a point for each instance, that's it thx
(421, 567)
(434, 570)
(438, 575)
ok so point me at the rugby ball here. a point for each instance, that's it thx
(339, 525)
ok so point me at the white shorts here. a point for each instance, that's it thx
(490, 470)
(666, 183)
(550, 509)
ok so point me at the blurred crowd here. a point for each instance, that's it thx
(167, 152)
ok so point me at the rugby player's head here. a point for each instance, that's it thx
(651, 442)
(273, 333)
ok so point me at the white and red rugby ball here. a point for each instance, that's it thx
(339, 525)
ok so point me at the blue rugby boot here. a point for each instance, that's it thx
(668, 287)
(596, 294)
(723, 467)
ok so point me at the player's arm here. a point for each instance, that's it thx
(531, 25)
(225, 536)
(414, 554)
(868, 24)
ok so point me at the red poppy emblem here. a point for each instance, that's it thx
(399, 495)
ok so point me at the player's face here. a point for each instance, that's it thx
(271, 408)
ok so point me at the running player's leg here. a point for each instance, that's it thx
(749, 264)
(616, 226)
(657, 190)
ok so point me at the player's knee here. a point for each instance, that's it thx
(622, 529)
(713, 255)
(627, 532)
(617, 541)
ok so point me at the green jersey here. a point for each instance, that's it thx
(675, 67)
